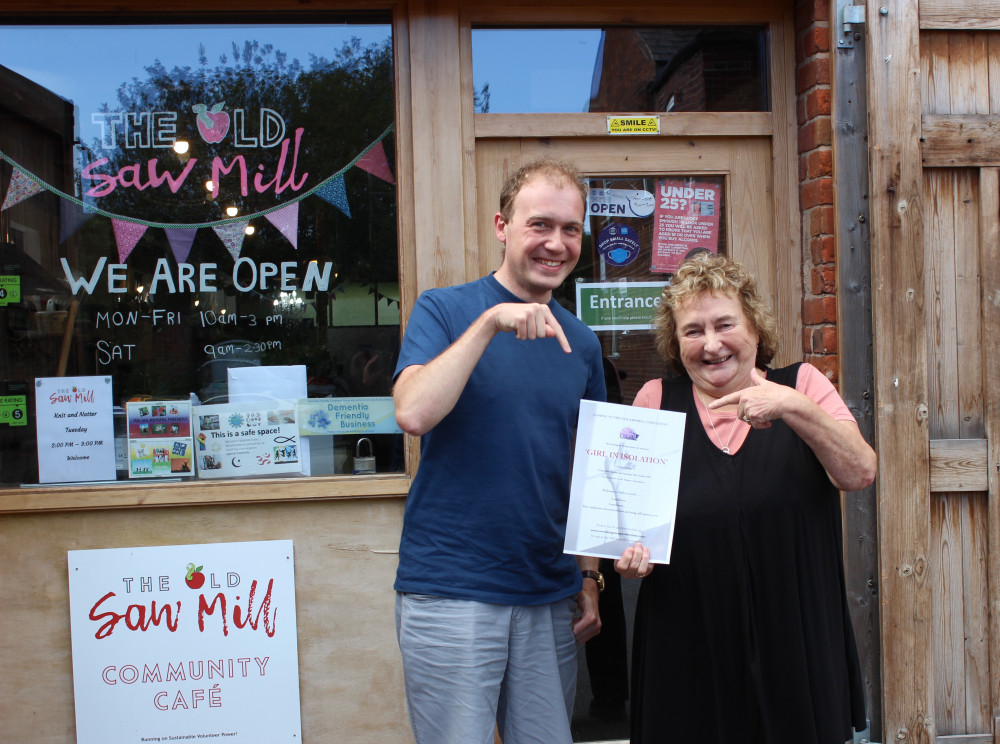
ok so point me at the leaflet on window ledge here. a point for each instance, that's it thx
(626, 469)
(246, 439)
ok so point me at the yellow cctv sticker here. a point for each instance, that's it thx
(633, 125)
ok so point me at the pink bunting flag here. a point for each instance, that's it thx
(181, 239)
(374, 161)
(127, 234)
(286, 220)
(232, 236)
(21, 187)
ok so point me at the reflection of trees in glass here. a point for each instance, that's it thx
(481, 99)
(341, 103)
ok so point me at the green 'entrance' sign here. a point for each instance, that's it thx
(618, 306)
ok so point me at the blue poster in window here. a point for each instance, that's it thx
(618, 244)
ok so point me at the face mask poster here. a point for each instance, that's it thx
(185, 643)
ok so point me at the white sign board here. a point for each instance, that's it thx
(76, 431)
(626, 472)
(185, 642)
(620, 203)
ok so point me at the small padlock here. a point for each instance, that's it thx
(363, 465)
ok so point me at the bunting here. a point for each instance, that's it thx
(127, 234)
(375, 162)
(335, 192)
(129, 230)
(286, 220)
(181, 240)
(232, 236)
(22, 186)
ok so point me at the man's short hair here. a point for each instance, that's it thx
(557, 172)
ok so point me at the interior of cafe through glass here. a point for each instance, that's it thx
(199, 253)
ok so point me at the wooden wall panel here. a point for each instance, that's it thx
(960, 614)
(345, 562)
(959, 520)
(949, 663)
(960, 14)
(969, 333)
(993, 70)
(976, 612)
(989, 253)
(939, 283)
(957, 96)
(959, 72)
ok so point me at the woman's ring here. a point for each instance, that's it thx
(746, 418)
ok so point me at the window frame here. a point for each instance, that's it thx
(148, 493)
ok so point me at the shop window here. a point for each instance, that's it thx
(620, 69)
(181, 204)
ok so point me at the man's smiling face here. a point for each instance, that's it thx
(542, 239)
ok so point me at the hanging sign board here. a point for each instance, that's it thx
(185, 643)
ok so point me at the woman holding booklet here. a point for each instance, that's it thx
(745, 635)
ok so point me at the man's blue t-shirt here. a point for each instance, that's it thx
(485, 517)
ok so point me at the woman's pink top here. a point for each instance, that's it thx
(810, 382)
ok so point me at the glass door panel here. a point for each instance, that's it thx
(653, 201)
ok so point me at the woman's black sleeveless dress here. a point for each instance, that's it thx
(745, 636)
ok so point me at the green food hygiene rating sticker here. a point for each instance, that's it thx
(10, 289)
(13, 410)
(618, 306)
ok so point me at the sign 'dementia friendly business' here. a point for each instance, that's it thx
(618, 306)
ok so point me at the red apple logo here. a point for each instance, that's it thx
(194, 577)
(212, 125)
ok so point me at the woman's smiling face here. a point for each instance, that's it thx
(718, 344)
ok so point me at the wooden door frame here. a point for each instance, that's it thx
(779, 125)
(900, 375)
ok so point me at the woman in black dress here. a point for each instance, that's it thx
(745, 637)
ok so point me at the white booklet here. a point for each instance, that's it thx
(626, 470)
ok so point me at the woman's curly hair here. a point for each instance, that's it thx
(710, 272)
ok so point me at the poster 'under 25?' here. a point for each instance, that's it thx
(687, 217)
(256, 438)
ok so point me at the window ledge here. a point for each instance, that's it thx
(132, 494)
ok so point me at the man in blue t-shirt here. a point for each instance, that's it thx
(491, 373)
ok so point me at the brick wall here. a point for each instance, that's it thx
(813, 105)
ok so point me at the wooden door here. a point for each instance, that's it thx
(934, 96)
(743, 166)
